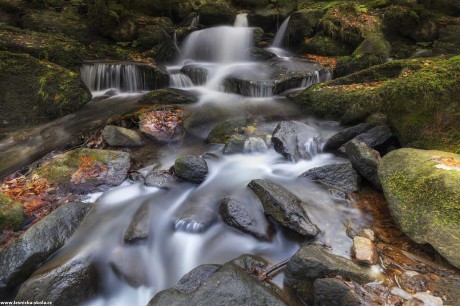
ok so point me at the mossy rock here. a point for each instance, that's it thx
(251, 3)
(213, 14)
(423, 192)
(302, 25)
(168, 96)
(222, 132)
(86, 170)
(150, 36)
(33, 91)
(449, 40)
(55, 48)
(418, 96)
(11, 213)
(324, 45)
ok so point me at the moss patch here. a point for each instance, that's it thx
(11, 213)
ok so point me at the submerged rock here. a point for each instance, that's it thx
(117, 136)
(284, 207)
(20, 259)
(231, 284)
(87, 170)
(191, 168)
(235, 214)
(160, 179)
(423, 194)
(138, 228)
(11, 213)
(342, 176)
(131, 271)
(342, 137)
(365, 160)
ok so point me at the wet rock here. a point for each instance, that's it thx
(235, 144)
(117, 136)
(138, 229)
(255, 145)
(235, 214)
(191, 168)
(338, 195)
(140, 175)
(19, 260)
(195, 219)
(376, 137)
(367, 233)
(312, 262)
(423, 195)
(160, 179)
(342, 137)
(342, 176)
(268, 18)
(154, 127)
(62, 282)
(225, 129)
(101, 169)
(131, 271)
(150, 36)
(414, 281)
(449, 41)
(365, 160)
(11, 213)
(284, 207)
(168, 96)
(229, 285)
(193, 279)
(289, 139)
(197, 74)
(333, 292)
(200, 121)
(401, 293)
(214, 14)
(428, 299)
(258, 54)
(364, 251)
(258, 35)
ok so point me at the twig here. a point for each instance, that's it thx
(265, 274)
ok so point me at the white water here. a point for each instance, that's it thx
(279, 38)
(195, 21)
(241, 20)
(179, 80)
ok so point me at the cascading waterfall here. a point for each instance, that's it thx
(241, 21)
(195, 21)
(279, 38)
(179, 80)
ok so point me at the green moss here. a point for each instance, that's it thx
(11, 213)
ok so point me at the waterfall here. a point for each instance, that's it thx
(121, 77)
(180, 80)
(221, 44)
(195, 21)
(175, 42)
(279, 38)
(241, 21)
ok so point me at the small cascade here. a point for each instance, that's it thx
(279, 38)
(221, 44)
(120, 77)
(175, 42)
(180, 80)
(195, 21)
(313, 146)
(241, 21)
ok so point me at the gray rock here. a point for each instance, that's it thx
(198, 75)
(20, 259)
(138, 229)
(342, 137)
(222, 132)
(235, 144)
(140, 175)
(365, 160)
(116, 136)
(168, 96)
(342, 176)
(160, 179)
(193, 279)
(312, 262)
(229, 285)
(333, 292)
(131, 271)
(289, 139)
(284, 207)
(428, 299)
(63, 282)
(191, 168)
(259, 54)
(255, 145)
(376, 137)
(235, 214)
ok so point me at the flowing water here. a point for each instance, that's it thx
(185, 229)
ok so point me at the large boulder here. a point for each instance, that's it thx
(214, 14)
(191, 168)
(86, 170)
(284, 207)
(365, 160)
(33, 91)
(11, 213)
(449, 41)
(340, 175)
(39, 242)
(231, 284)
(117, 136)
(168, 96)
(347, 134)
(423, 194)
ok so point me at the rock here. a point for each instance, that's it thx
(235, 144)
(258, 54)
(33, 91)
(289, 139)
(338, 195)
(423, 195)
(116, 136)
(268, 18)
(414, 281)
(235, 214)
(255, 145)
(312, 262)
(364, 251)
(229, 285)
(342, 176)
(86, 170)
(11, 213)
(39, 242)
(401, 293)
(200, 121)
(365, 160)
(150, 36)
(197, 74)
(160, 179)
(214, 14)
(258, 35)
(62, 282)
(131, 271)
(138, 228)
(333, 292)
(367, 233)
(168, 96)
(327, 46)
(140, 175)
(302, 25)
(284, 207)
(342, 137)
(376, 137)
(153, 125)
(448, 42)
(428, 299)
(193, 279)
(225, 129)
(191, 168)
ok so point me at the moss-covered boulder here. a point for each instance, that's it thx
(213, 14)
(11, 213)
(168, 96)
(268, 18)
(423, 192)
(324, 45)
(302, 25)
(33, 91)
(86, 170)
(449, 40)
(55, 48)
(150, 36)
(418, 96)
